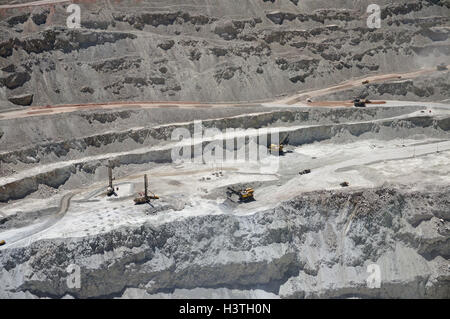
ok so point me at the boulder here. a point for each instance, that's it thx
(40, 16)
(166, 45)
(87, 89)
(23, 99)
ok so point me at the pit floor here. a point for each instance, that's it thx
(192, 189)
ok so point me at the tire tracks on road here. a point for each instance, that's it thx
(62, 210)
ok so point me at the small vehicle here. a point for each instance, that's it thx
(359, 102)
(344, 184)
(441, 67)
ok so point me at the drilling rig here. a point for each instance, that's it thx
(110, 190)
(144, 198)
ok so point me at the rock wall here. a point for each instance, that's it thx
(314, 246)
(209, 51)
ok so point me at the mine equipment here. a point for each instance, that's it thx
(304, 172)
(365, 82)
(441, 67)
(245, 195)
(360, 102)
(144, 198)
(2, 242)
(278, 149)
(110, 190)
(344, 184)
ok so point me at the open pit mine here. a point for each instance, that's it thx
(225, 149)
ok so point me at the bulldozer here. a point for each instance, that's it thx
(144, 198)
(245, 195)
(278, 149)
(110, 190)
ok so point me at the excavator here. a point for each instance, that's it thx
(144, 198)
(110, 190)
(245, 195)
(278, 149)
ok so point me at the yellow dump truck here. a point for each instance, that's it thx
(278, 149)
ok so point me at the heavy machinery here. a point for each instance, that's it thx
(245, 195)
(360, 102)
(305, 171)
(144, 198)
(278, 149)
(2, 242)
(441, 67)
(110, 190)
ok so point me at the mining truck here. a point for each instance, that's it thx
(278, 149)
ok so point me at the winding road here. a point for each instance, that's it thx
(15, 236)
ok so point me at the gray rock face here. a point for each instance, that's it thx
(15, 80)
(232, 50)
(39, 16)
(314, 246)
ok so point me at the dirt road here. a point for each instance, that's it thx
(303, 96)
(33, 4)
(13, 237)
(291, 100)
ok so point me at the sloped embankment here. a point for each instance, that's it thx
(55, 164)
(316, 245)
(235, 51)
